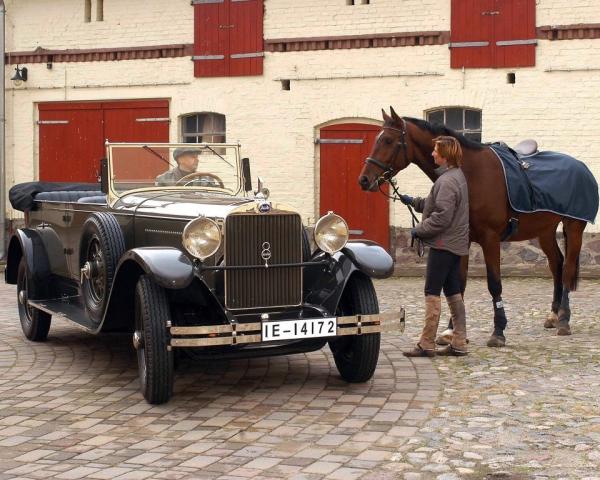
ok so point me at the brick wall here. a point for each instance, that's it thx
(555, 102)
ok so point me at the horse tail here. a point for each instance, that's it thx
(571, 273)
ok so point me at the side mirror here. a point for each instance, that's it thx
(247, 175)
(104, 175)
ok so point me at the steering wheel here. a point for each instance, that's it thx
(212, 180)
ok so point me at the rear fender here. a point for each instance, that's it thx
(166, 266)
(27, 243)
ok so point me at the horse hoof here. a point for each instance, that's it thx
(563, 330)
(551, 321)
(445, 338)
(496, 341)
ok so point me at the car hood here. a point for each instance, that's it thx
(181, 204)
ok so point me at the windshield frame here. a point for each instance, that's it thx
(115, 194)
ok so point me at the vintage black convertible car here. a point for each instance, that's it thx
(194, 262)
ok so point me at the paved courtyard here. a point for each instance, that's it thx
(70, 407)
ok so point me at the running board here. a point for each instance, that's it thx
(69, 308)
(247, 333)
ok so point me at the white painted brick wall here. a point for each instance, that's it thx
(555, 102)
(293, 18)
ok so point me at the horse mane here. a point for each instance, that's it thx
(437, 130)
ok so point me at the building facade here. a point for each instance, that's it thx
(301, 85)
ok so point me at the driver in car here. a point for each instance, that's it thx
(187, 162)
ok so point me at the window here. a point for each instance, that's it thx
(463, 120)
(228, 38)
(87, 11)
(492, 33)
(203, 127)
(99, 10)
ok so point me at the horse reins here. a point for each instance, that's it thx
(387, 176)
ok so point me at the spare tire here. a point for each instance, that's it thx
(102, 245)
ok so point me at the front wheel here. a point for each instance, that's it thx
(151, 340)
(34, 323)
(356, 356)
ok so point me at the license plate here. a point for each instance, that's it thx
(293, 329)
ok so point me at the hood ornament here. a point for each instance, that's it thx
(264, 207)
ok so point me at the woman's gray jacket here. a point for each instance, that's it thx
(445, 223)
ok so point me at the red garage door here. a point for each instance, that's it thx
(72, 135)
(343, 149)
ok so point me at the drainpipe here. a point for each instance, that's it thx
(2, 133)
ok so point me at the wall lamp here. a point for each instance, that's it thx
(20, 76)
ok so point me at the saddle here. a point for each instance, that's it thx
(526, 147)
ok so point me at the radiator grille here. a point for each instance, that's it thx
(262, 287)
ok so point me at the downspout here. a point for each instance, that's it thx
(2, 133)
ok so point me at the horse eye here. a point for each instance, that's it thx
(388, 141)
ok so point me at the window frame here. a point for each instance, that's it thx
(199, 136)
(463, 131)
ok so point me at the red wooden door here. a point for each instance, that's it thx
(71, 142)
(471, 33)
(228, 38)
(72, 135)
(492, 33)
(211, 39)
(343, 149)
(514, 33)
(246, 44)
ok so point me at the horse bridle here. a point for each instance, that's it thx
(388, 170)
(387, 176)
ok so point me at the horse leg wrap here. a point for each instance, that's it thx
(500, 320)
(564, 312)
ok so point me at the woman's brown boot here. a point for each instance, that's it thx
(458, 346)
(426, 345)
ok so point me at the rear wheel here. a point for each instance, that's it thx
(356, 356)
(35, 323)
(151, 340)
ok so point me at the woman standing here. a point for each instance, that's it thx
(445, 228)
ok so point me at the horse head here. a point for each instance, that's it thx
(389, 154)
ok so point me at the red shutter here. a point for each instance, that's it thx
(515, 36)
(211, 38)
(228, 37)
(246, 40)
(471, 33)
(492, 33)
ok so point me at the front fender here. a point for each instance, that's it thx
(167, 266)
(324, 285)
(27, 243)
(369, 258)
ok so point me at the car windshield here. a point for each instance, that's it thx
(205, 166)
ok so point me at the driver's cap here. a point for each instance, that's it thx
(178, 152)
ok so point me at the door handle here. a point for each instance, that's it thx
(356, 232)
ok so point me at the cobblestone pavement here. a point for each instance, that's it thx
(70, 407)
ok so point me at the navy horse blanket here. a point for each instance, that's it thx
(549, 182)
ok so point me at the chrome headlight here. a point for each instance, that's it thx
(331, 233)
(201, 237)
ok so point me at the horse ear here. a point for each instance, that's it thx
(386, 117)
(394, 114)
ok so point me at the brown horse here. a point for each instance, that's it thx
(409, 140)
